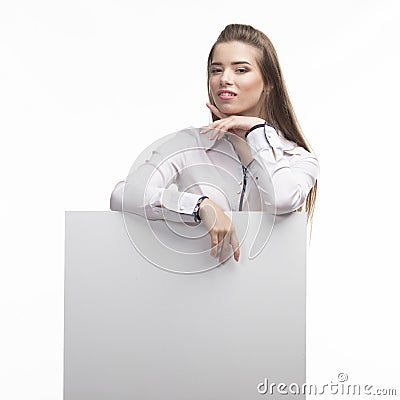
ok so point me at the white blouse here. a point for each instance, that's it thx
(188, 165)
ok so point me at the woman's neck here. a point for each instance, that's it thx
(242, 149)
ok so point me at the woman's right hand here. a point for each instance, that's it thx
(219, 226)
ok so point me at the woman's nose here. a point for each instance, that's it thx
(226, 77)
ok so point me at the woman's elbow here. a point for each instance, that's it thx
(116, 196)
(287, 202)
(129, 196)
(125, 196)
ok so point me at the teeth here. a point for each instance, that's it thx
(226, 94)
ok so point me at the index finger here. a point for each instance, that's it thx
(235, 245)
(216, 111)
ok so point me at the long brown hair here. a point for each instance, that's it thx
(275, 105)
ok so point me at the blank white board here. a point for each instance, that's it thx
(134, 330)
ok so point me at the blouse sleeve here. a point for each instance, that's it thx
(283, 184)
(149, 191)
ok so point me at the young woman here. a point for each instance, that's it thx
(252, 157)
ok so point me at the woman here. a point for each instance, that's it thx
(254, 142)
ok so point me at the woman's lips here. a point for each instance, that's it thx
(226, 96)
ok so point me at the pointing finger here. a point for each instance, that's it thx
(224, 255)
(214, 244)
(235, 245)
(215, 111)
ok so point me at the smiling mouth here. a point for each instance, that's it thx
(226, 95)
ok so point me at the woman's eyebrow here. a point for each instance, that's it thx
(232, 63)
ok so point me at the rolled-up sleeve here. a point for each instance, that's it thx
(283, 182)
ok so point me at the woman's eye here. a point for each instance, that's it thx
(216, 70)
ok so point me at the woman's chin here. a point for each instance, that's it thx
(228, 109)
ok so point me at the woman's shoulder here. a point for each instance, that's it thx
(171, 146)
(190, 137)
(178, 141)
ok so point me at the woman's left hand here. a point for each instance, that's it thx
(237, 124)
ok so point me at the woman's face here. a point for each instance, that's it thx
(236, 82)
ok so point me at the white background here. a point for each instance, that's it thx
(87, 85)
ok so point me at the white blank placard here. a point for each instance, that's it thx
(135, 331)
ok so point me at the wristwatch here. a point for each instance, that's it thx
(197, 208)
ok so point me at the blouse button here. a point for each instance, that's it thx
(239, 182)
(181, 207)
(239, 192)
